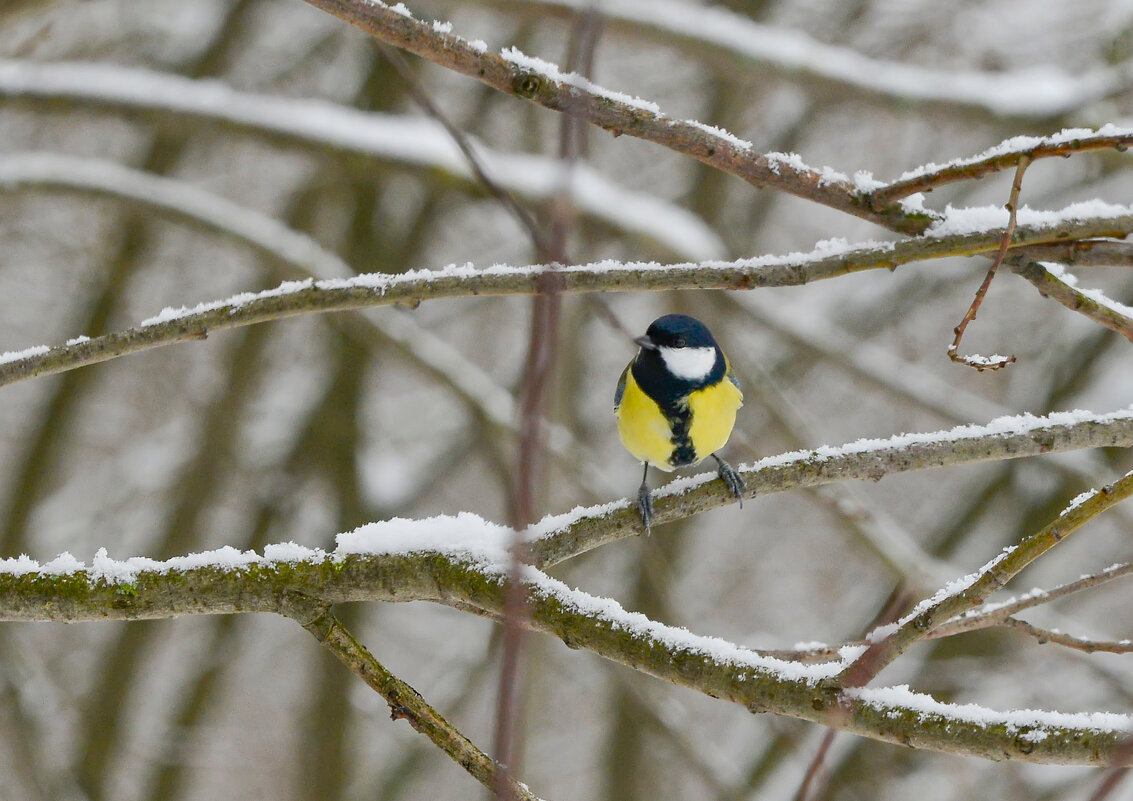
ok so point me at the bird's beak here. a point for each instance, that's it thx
(646, 342)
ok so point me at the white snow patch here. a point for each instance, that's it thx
(977, 219)
(720, 133)
(515, 56)
(26, 353)
(901, 698)
(1018, 144)
(1096, 295)
(1077, 501)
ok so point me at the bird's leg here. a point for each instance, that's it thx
(645, 501)
(732, 480)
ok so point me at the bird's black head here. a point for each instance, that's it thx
(678, 331)
(678, 355)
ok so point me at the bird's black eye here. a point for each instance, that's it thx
(679, 342)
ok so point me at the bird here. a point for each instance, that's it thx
(676, 403)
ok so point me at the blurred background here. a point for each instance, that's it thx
(304, 428)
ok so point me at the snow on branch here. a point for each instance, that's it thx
(545, 84)
(963, 232)
(995, 614)
(890, 641)
(414, 141)
(1056, 283)
(558, 538)
(1004, 156)
(462, 561)
(1041, 92)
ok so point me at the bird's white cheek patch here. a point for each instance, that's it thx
(690, 364)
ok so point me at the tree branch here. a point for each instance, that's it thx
(404, 702)
(1004, 156)
(470, 575)
(542, 83)
(1070, 641)
(994, 614)
(1057, 287)
(973, 590)
(413, 287)
(1006, 438)
(725, 37)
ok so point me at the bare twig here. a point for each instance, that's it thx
(815, 766)
(404, 702)
(981, 362)
(1111, 779)
(422, 98)
(542, 355)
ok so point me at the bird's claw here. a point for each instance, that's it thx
(732, 480)
(645, 506)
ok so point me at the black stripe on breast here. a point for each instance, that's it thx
(680, 420)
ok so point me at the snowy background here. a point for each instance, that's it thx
(300, 429)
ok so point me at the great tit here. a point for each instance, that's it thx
(676, 403)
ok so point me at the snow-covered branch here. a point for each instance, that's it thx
(959, 596)
(994, 614)
(1053, 282)
(962, 232)
(462, 562)
(541, 82)
(1035, 92)
(1004, 156)
(555, 539)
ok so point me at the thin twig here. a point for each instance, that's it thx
(933, 612)
(815, 765)
(421, 97)
(1052, 286)
(404, 702)
(980, 166)
(980, 362)
(974, 621)
(539, 373)
(1111, 779)
(1070, 641)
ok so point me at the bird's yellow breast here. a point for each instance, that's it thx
(648, 435)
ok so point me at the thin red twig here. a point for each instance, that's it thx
(980, 362)
(542, 355)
